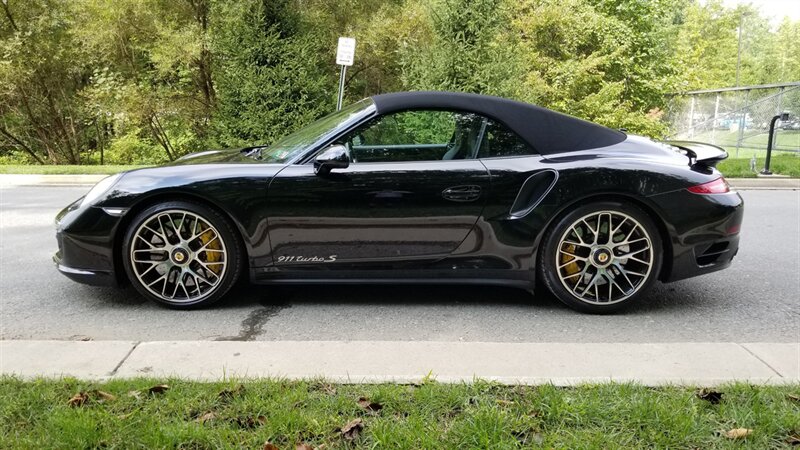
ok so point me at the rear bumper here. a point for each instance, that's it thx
(699, 261)
(704, 234)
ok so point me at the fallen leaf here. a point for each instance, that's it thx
(270, 446)
(369, 406)
(124, 416)
(135, 394)
(502, 402)
(158, 389)
(738, 433)
(303, 446)
(78, 399)
(228, 394)
(207, 417)
(104, 396)
(250, 422)
(351, 430)
(793, 397)
(710, 396)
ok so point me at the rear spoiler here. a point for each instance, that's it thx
(699, 153)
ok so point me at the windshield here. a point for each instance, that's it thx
(294, 144)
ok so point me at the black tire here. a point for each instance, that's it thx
(232, 261)
(630, 288)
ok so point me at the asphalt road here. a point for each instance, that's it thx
(756, 300)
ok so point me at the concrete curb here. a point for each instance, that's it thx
(11, 180)
(764, 183)
(409, 361)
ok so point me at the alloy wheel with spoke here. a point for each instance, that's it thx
(178, 256)
(604, 257)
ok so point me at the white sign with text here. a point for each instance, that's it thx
(346, 51)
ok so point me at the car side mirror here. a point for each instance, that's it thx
(333, 157)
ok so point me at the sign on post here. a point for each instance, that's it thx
(346, 51)
(345, 54)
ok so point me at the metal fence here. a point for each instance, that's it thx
(738, 119)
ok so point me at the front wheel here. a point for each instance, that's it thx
(601, 257)
(181, 254)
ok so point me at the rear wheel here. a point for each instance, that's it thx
(182, 254)
(601, 257)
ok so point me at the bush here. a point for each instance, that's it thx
(132, 149)
(15, 158)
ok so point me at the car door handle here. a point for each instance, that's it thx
(467, 193)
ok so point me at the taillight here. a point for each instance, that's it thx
(718, 186)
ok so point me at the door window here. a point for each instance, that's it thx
(417, 136)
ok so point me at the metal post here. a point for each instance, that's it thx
(691, 119)
(769, 144)
(341, 87)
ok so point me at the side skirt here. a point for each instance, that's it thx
(526, 283)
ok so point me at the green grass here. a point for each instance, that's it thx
(755, 144)
(754, 141)
(781, 163)
(63, 170)
(35, 414)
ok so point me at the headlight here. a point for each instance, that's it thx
(99, 189)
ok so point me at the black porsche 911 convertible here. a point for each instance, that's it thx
(417, 187)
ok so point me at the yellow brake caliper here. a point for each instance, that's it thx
(207, 238)
(571, 268)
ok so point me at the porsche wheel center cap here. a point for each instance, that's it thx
(601, 257)
(180, 256)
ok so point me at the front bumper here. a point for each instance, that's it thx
(91, 277)
(85, 238)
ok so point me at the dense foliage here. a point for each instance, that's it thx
(143, 81)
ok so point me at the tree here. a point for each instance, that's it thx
(43, 70)
(85, 81)
(468, 49)
(154, 69)
(587, 63)
(270, 72)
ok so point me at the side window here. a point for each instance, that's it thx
(499, 141)
(423, 135)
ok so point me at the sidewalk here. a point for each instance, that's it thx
(409, 361)
(11, 180)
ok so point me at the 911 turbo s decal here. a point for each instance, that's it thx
(301, 258)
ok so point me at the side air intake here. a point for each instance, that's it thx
(533, 191)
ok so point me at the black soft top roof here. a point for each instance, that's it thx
(545, 130)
